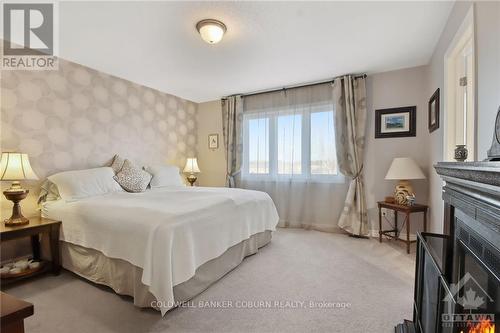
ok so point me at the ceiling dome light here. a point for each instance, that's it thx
(211, 31)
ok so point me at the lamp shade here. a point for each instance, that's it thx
(404, 168)
(15, 167)
(192, 165)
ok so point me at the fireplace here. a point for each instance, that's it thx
(457, 283)
(479, 261)
(457, 279)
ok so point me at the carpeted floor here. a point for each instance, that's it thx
(329, 270)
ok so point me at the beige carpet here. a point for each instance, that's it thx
(298, 265)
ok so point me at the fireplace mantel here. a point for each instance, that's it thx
(474, 188)
(477, 174)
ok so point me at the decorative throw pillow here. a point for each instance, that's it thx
(117, 163)
(48, 192)
(132, 178)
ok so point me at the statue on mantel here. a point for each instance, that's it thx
(494, 152)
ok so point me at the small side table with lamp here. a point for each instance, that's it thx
(192, 170)
(402, 169)
(16, 167)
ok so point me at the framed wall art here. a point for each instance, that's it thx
(396, 122)
(434, 111)
(213, 141)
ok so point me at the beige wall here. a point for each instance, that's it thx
(488, 71)
(77, 118)
(387, 90)
(412, 86)
(391, 89)
(212, 163)
(487, 34)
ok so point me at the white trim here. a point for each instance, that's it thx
(464, 34)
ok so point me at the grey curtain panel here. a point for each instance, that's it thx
(349, 96)
(232, 120)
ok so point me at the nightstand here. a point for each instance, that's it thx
(406, 210)
(35, 227)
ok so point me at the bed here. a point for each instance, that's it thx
(165, 245)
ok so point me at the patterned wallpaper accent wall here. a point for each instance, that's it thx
(77, 118)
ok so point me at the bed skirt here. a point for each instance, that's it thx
(125, 278)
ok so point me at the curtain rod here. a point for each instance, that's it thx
(362, 76)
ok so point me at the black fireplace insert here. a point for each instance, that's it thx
(457, 282)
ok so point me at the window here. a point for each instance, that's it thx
(323, 153)
(258, 147)
(282, 145)
(290, 144)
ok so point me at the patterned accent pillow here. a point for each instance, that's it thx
(117, 163)
(48, 192)
(132, 178)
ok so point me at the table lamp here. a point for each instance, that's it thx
(191, 168)
(15, 167)
(404, 169)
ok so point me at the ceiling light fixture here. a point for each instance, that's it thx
(211, 31)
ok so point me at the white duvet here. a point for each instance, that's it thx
(168, 232)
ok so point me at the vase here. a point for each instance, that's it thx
(461, 153)
(401, 192)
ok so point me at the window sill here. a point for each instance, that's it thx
(337, 179)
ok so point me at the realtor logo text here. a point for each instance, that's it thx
(28, 41)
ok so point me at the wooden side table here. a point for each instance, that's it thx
(34, 228)
(407, 210)
(13, 311)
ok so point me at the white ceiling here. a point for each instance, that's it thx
(267, 44)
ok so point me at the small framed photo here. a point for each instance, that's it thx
(396, 122)
(434, 111)
(213, 141)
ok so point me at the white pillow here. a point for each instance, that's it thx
(79, 184)
(164, 175)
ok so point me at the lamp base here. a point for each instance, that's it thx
(17, 217)
(402, 191)
(191, 179)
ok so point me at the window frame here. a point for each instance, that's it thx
(272, 175)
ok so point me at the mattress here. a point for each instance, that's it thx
(168, 233)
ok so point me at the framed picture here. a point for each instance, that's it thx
(213, 141)
(396, 122)
(434, 111)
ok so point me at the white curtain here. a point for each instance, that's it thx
(289, 152)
